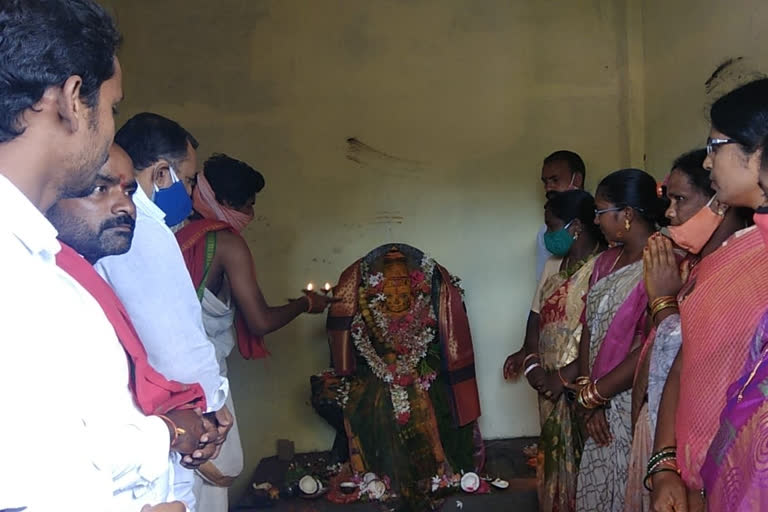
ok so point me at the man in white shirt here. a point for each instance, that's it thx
(99, 225)
(63, 375)
(562, 170)
(152, 280)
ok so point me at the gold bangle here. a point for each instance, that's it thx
(601, 397)
(663, 305)
(582, 381)
(586, 399)
(654, 315)
(663, 298)
(580, 399)
(177, 431)
(660, 303)
(591, 399)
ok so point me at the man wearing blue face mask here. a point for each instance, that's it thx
(152, 280)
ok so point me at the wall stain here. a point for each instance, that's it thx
(730, 74)
(714, 79)
(386, 217)
(380, 161)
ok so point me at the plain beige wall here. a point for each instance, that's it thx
(463, 99)
(684, 43)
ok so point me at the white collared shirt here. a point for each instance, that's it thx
(153, 283)
(64, 381)
(542, 254)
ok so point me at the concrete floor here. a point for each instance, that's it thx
(504, 459)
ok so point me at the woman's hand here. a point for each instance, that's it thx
(669, 493)
(660, 270)
(552, 386)
(536, 378)
(513, 366)
(598, 428)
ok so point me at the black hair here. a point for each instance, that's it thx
(575, 204)
(148, 137)
(42, 44)
(635, 189)
(234, 182)
(692, 165)
(742, 115)
(574, 161)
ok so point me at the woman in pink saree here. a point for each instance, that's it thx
(628, 210)
(735, 471)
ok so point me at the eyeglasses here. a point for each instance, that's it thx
(713, 144)
(606, 210)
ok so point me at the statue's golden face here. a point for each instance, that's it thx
(399, 295)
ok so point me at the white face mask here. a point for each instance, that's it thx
(571, 186)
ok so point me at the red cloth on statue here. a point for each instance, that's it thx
(192, 240)
(154, 394)
(458, 351)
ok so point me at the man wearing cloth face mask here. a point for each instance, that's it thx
(152, 281)
(222, 269)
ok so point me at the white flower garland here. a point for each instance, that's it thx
(413, 336)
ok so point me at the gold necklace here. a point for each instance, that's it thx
(617, 260)
(569, 270)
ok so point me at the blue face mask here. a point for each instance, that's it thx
(174, 201)
(559, 242)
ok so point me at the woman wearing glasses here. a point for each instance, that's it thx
(699, 224)
(720, 307)
(738, 449)
(552, 342)
(628, 213)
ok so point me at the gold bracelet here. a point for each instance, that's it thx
(663, 298)
(177, 431)
(582, 381)
(585, 399)
(659, 302)
(590, 397)
(662, 305)
(601, 397)
(580, 399)
(671, 306)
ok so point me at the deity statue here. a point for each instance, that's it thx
(401, 345)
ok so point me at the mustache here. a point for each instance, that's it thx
(119, 222)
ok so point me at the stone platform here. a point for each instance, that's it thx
(504, 457)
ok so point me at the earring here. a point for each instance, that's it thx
(627, 224)
(721, 209)
(576, 235)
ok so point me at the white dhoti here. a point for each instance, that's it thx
(218, 319)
